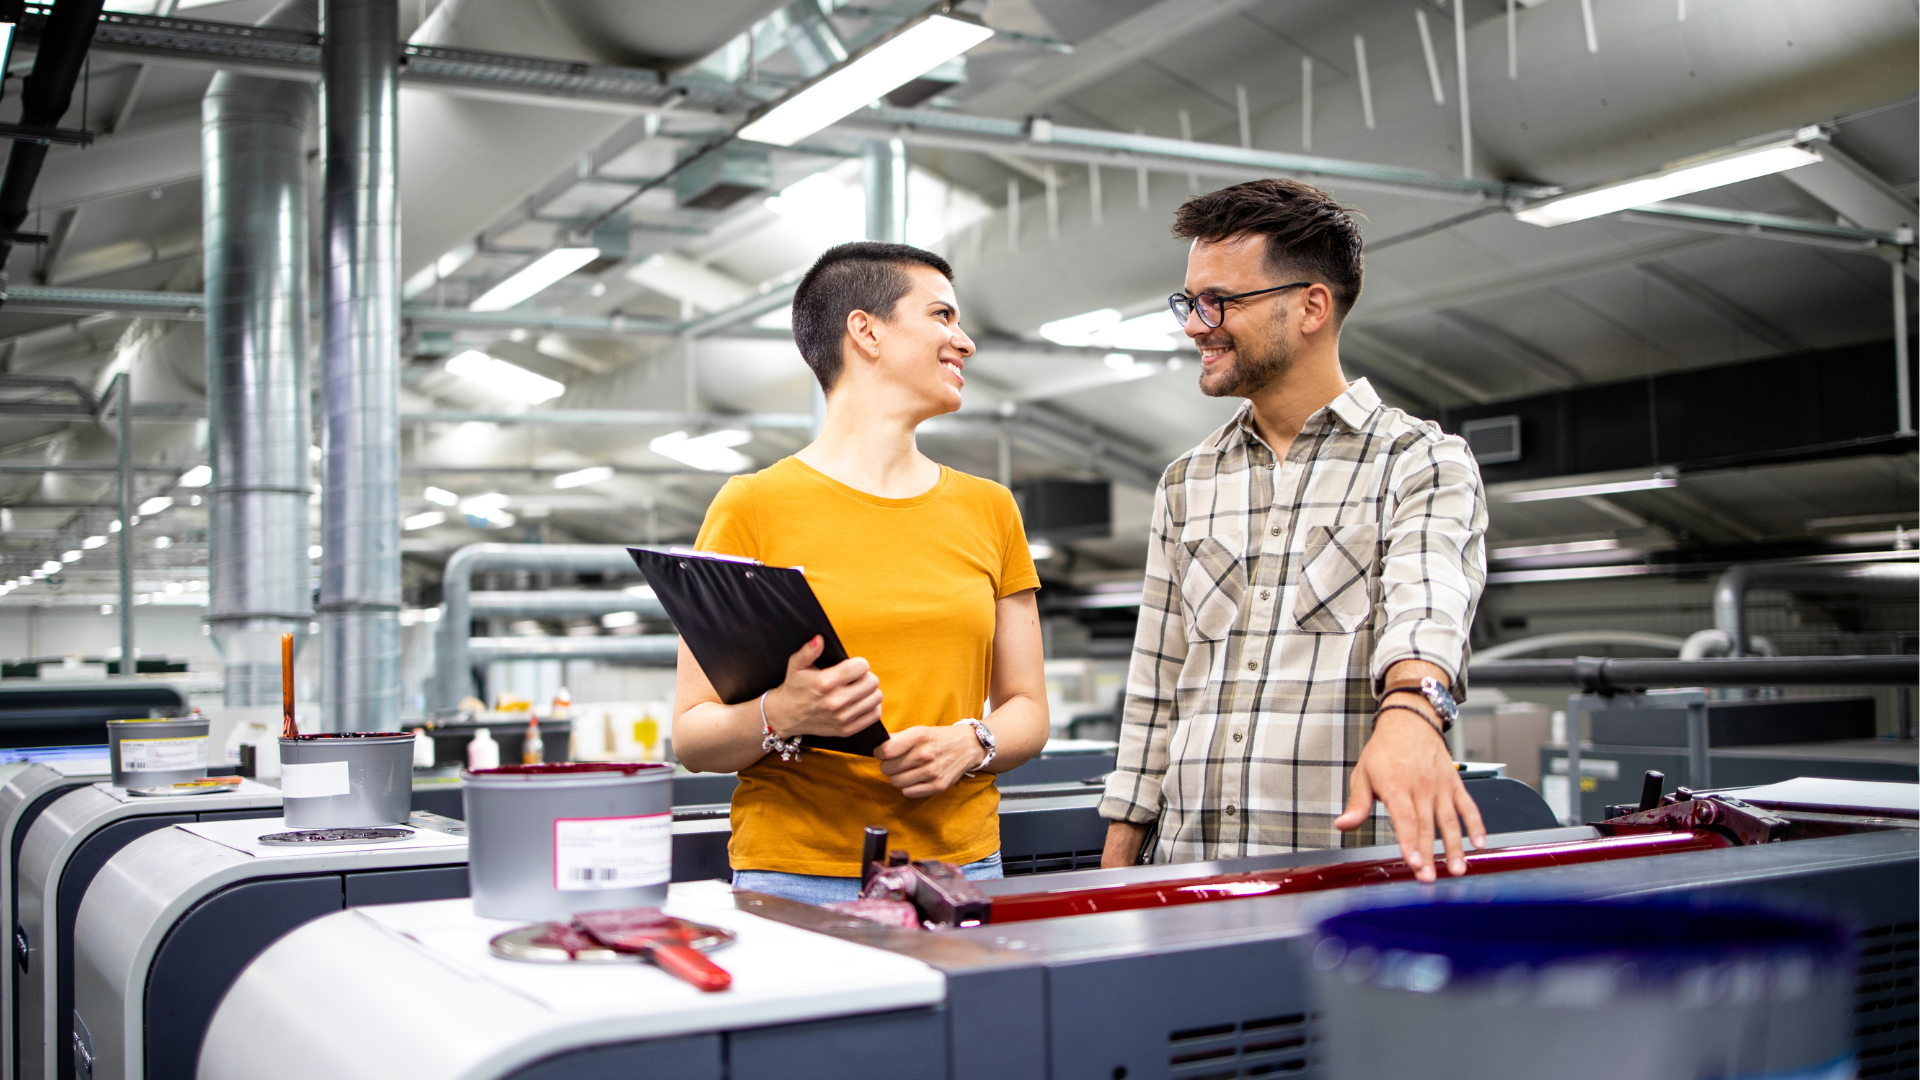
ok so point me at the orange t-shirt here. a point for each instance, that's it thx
(909, 584)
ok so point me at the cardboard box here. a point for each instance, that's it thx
(1511, 733)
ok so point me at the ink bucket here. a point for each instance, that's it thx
(545, 841)
(1583, 990)
(153, 753)
(347, 779)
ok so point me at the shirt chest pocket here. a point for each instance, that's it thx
(1212, 585)
(1334, 593)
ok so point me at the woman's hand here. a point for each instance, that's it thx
(923, 760)
(836, 701)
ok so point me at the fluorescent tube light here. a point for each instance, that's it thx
(503, 378)
(534, 277)
(1528, 551)
(592, 474)
(613, 620)
(1580, 491)
(1152, 332)
(162, 543)
(441, 496)
(92, 542)
(198, 476)
(155, 505)
(314, 551)
(712, 452)
(895, 60)
(71, 556)
(423, 521)
(50, 567)
(1680, 178)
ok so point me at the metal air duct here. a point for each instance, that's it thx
(1730, 590)
(360, 319)
(253, 140)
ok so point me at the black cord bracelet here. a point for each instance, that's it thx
(1416, 712)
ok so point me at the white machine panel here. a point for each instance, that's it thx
(411, 992)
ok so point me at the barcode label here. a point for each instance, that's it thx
(163, 755)
(612, 853)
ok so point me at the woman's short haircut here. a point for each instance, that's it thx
(862, 276)
(1308, 234)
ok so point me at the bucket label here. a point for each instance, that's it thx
(317, 780)
(163, 755)
(612, 852)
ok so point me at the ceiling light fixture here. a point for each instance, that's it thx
(92, 542)
(423, 521)
(441, 496)
(535, 277)
(907, 53)
(162, 543)
(51, 566)
(1580, 491)
(503, 378)
(712, 452)
(198, 476)
(1150, 332)
(153, 506)
(71, 556)
(592, 474)
(488, 511)
(1574, 547)
(1716, 169)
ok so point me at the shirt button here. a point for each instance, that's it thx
(1236, 736)
(1264, 594)
(1253, 665)
(1276, 530)
(1230, 811)
(1269, 464)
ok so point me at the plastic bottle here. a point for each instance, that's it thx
(422, 749)
(562, 706)
(534, 750)
(483, 752)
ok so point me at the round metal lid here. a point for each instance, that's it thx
(179, 789)
(561, 943)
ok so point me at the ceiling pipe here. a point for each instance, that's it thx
(561, 603)
(453, 659)
(360, 319)
(651, 650)
(1616, 675)
(45, 96)
(1730, 589)
(253, 141)
(1631, 638)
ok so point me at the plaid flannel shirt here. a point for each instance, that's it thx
(1278, 593)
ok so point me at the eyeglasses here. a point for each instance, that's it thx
(1213, 308)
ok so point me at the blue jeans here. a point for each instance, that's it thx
(819, 889)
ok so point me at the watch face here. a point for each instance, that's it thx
(1439, 697)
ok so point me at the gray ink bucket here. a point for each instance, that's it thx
(1584, 991)
(545, 841)
(152, 753)
(348, 779)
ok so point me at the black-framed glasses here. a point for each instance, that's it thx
(1213, 308)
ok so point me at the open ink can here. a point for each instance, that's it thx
(347, 779)
(545, 841)
(154, 753)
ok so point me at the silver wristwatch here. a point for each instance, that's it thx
(1437, 696)
(985, 735)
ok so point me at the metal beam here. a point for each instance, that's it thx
(1522, 279)
(1759, 226)
(745, 311)
(1376, 347)
(1733, 314)
(1045, 141)
(288, 54)
(614, 418)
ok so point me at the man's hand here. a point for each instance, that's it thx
(835, 701)
(1407, 766)
(1123, 844)
(925, 760)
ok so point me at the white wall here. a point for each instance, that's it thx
(162, 630)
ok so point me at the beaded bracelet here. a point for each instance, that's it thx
(1414, 711)
(788, 749)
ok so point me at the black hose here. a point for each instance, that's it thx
(1605, 675)
(45, 97)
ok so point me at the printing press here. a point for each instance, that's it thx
(1159, 971)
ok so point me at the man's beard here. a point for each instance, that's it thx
(1252, 372)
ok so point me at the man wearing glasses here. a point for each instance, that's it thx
(1312, 571)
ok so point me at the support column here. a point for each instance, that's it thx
(122, 392)
(1902, 381)
(360, 563)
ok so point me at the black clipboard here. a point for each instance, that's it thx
(742, 619)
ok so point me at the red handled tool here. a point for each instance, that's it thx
(659, 937)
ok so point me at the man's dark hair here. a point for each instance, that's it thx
(1308, 234)
(862, 276)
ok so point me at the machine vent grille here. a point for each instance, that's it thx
(1494, 440)
(1051, 862)
(1268, 1046)
(1886, 1010)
